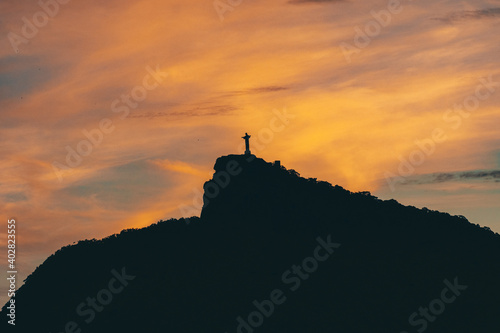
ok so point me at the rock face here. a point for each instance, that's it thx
(274, 252)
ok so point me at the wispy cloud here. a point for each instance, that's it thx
(299, 2)
(258, 90)
(199, 111)
(487, 175)
(434, 178)
(470, 15)
(177, 166)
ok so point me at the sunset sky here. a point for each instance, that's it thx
(401, 99)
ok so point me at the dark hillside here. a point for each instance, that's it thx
(274, 252)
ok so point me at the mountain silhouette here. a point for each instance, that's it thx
(273, 252)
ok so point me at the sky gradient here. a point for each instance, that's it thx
(398, 98)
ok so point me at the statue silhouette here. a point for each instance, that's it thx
(247, 143)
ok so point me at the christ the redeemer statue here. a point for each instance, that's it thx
(247, 144)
